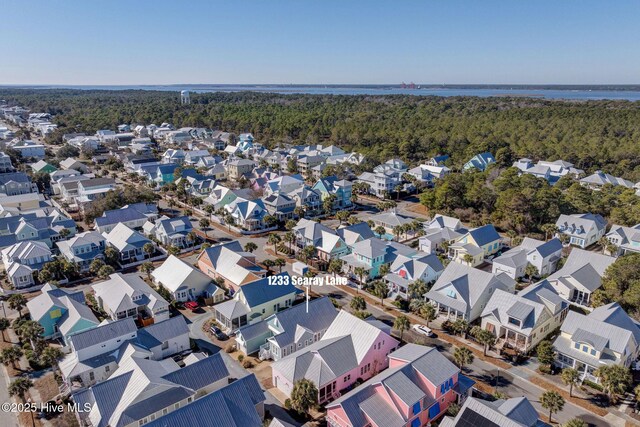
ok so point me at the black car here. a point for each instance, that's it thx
(218, 333)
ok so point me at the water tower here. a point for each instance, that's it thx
(184, 97)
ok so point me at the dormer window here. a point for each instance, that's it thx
(451, 293)
(514, 321)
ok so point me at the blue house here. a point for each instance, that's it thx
(333, 186)
(61, 313)
(480, 161)
(164, 173)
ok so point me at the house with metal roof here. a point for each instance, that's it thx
(171, 231)
(94, 354)
(283, 184)
(351, 350)
(83, 248)
(580, 276)
(463, 292)
(544, 256)
(248, 214)
(13, 183)
(255, 301)
(583, 230)
(341, 189)
(42, 225)
(405, 270)
(127, 295)
(287, 331)
(371, 254)
(280, 205)
(606, 336)
(479, 243)
(133, 216)
(238, 404)
(354, 233)
(626, 239)
(185, 282)
(39, 166)
(142, 390)
(441, 229)
(415, 390)
(61, 313)
(229, 263)
(480, 162)
(389, 220)
(22, 260)
(599, 179)
(128, 242)
(71, 163)
(520, 321)
(514, 412)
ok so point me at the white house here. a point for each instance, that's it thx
(544, 256)
(183, 281)
(583, 230)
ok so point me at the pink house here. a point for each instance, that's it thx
(418, 387)
(351, 349)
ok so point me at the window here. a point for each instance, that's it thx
(107, 368)
(92, 376)
(577, 346)
(347, 378)
(585, 349)
(416, 408)
(593, 352)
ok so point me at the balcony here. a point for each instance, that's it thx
(265, 352)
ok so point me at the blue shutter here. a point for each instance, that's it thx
(434, 411)
(416, 408)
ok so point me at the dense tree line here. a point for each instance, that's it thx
(525, 203)
(593, 135)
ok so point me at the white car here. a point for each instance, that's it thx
(421, 329)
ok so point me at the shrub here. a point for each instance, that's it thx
(247, 364)
(240, 358)
(230, 348)
(287, 404)
(544, 369)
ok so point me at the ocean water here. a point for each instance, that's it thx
(571, 93)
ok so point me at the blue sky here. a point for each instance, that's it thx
(328, 41)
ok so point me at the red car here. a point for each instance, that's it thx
(191, 305)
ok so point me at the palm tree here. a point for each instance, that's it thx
(192, 237)
(51, 356)
(402, 324)
(273, 240)
(17, 302)
(147, 267)
(552, 401)
(384, 270)
(290, 224)
(33, 332)
(615, 380)
(462, 356)
(549, 230)
(380, 230)
(358, 303)
(335, 266)
(250, 247)
(149, 249)
(380, 289)
(106, 271)
(530, 271)
(19, 387)
(10, 356)
(209, 210)
(468, 258)
(397, 231)
(280, 262)
(269, 263)
(4, 325)
(360, 272)
(342, 216)
(570, 377)
(204, 225)
(428, 313)
(417, 289)
(290, 238)
(484, 337)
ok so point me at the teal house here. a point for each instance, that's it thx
(61, 313)
(371, 254)
(164, 173)
(340, 188)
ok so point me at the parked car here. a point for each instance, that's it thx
(218, 333)
(421, 329)
(191, 305)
